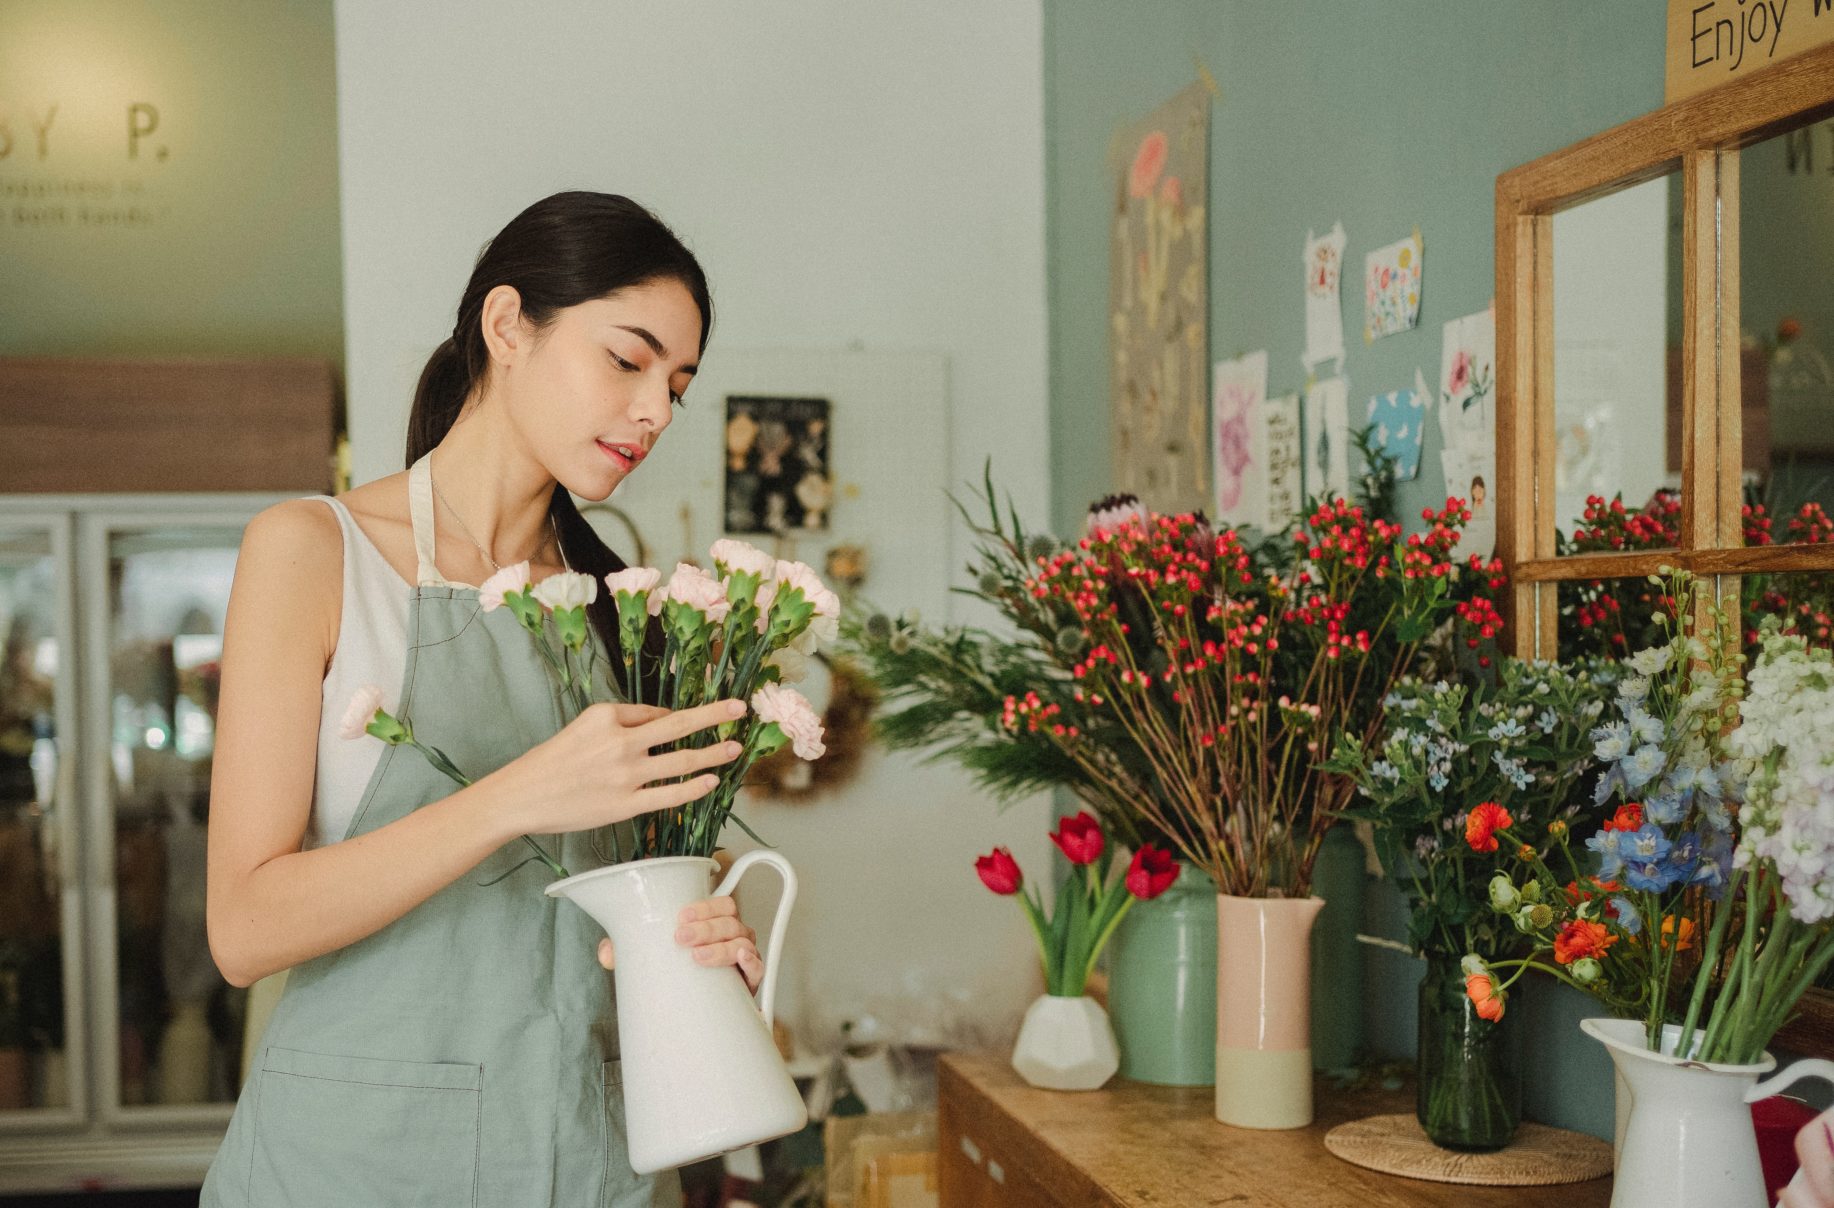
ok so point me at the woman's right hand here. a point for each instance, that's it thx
(599, 769)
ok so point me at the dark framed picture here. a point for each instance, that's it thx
(779, 474)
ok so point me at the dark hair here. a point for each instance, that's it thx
(563, 250)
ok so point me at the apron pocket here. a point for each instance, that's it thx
(333, 1129)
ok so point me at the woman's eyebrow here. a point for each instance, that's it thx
(655, 346)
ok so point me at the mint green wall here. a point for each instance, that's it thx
(230, 247)
(1385, 116)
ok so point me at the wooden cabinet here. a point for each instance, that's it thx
(1003, 1143)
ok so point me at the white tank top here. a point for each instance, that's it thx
(372, 648)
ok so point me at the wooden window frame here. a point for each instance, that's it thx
(1700, 137)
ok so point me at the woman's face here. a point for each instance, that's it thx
(592, 396)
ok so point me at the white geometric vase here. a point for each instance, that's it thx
(1066, 1044)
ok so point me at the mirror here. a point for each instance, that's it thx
(1617, 392)
(1786, 320)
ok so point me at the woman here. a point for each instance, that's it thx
(446, 1037)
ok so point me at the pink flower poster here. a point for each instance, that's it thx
(1467, 423)
(1159, 305)
(1254, 447)
(1391, 288)
(1324, 309)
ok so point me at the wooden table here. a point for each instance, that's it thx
(1003, 1143)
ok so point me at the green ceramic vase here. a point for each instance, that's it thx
(1162, 984)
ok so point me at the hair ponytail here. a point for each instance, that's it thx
(563, 250)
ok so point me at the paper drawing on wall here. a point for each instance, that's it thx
(1327, 437)
(1467, 422)
(1158, 305)
(1238, 453)
(1391, 287)
(1324, 310)
(1397, 422)
(778, 472)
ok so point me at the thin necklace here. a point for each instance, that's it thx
(460, 521)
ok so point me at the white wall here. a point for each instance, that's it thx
(850, 174)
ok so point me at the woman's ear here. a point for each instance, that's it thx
(502, 324)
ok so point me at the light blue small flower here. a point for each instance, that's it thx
(1650, 876)
(1665, 809)
(1507, 729)
(1627, 916)
(1642, 766)
(1647, 842)
(1612, 741)
(1610, 858)
(1644, 726)
(1633, 688)
(1549, 721)
(1384, 770)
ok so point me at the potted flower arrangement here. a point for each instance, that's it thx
(1066, 1042)
(1699, 911)
(1456, 757)
(685, 1029)
(952, 691)
(1235, 668)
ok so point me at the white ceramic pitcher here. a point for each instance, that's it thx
(1685, 1138)
(701, 1071)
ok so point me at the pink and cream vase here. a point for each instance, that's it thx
(1263, 1011)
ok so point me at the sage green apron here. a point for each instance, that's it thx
(466, 1054)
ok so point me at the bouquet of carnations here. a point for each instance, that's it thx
(1694, 908)
(737, 633)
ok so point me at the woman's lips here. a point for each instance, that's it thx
(618, 459)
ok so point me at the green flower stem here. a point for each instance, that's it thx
(1709, 961)
(441, 763)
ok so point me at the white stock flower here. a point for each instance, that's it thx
(1788, 767)
(510, 578)
(793, 715)
(633, 580)
(360, 711)
(736, 557)
(568, 589)
(1651, 661)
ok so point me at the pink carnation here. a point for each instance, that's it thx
(633, 580)
(736, 557)
(510, 578)
(697, 589)
(793, 715)
(798, 574)
(361, 710)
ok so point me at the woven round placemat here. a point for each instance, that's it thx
(1538, 1156)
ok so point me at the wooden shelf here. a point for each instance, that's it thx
(1004, 1143)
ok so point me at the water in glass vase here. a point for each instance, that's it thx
(1469, 1094)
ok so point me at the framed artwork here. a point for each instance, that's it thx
(779, 473)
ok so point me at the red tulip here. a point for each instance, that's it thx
(1079, 838)
(1151, 873)
(999, 871)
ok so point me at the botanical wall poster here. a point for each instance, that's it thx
(778, 473)
(1158, 305)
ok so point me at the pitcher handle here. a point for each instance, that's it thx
(767, 993)
(1812, 1067)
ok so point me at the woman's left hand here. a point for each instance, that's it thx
(713, 929)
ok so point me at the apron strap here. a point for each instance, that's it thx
(420, 510)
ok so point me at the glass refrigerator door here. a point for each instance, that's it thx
(41, 1010)
(157, 592)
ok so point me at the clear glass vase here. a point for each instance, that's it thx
(1469, 1091)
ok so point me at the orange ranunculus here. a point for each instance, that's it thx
(1629, 817)
(1687, 933)
(1484, 996)
(1483, 823)
(1582, 937)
